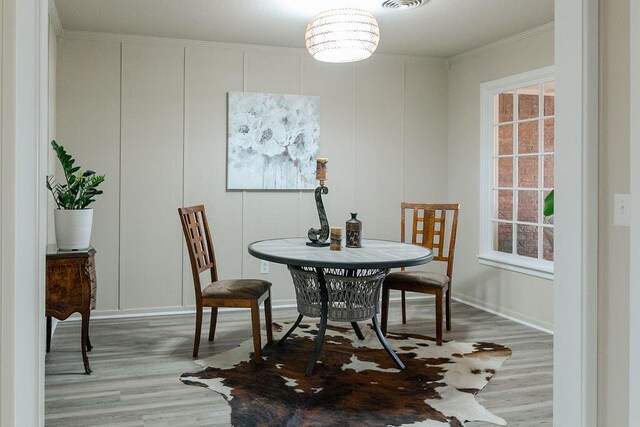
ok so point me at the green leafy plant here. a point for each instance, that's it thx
(548, 204)
(80, 188)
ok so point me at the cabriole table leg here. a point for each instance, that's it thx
(83, 341)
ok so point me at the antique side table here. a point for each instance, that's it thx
(71, 288)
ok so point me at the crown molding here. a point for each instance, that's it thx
(502, 42)
(165, 41)
(54, 19)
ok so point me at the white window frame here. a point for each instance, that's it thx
(487, 254)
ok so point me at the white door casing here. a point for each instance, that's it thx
(23, 210)
(23, 167)
(634, 249)
(576, 214)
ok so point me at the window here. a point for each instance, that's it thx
(517, 144)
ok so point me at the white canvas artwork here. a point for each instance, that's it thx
(273, 141)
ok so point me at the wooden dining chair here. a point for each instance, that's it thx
(429, 230)
(249, 293)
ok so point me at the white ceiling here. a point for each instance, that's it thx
(439, 28)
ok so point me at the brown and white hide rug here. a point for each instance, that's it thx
(355, 383)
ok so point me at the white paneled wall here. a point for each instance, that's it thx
(152, 115)
(268, 214)
(88, 77)
(518, 295)
(426, 119)
(379, 146)
(151, 170)
(335, 83)
(204, 153)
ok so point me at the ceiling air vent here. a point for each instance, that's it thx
(403, 4)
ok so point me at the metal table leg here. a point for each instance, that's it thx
(354, 325)
(324, 297)
(376, 327)
(295, 325)
(304, 280)
(357, 330)
(385, 343)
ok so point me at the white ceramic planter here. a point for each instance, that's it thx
(73, 228)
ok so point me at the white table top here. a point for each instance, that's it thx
(372, 254)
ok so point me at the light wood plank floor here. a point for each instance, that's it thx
(137, 362)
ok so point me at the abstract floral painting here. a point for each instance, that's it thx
(273, 141)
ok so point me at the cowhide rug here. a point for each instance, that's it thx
(355, 383)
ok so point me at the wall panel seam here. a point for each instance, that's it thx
(120, 186)
(3, 339)
(404, 130)
(634, 188)
(355, 138)
(244, 192)
(184, 142)
(300, 79)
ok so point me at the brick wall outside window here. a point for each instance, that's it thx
(529, 203)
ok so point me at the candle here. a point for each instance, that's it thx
(321, 168)
(336, 238)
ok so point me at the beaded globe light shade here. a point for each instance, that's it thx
(342, 35)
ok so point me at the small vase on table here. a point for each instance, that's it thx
(354, 232)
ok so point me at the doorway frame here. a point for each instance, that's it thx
(575, 364)
(24, 111)
(575, 339)
(634, 238)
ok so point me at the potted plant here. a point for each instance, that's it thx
(73, 218)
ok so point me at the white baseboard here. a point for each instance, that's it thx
(149, 312)
(286, 304)
(172, 311)
(507, 314)
(515, 317)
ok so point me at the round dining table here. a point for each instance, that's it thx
(342, 286)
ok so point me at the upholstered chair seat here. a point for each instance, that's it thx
(236, 289)
(407, 280)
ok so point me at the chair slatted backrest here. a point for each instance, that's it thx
(199, 243)
(429, 229)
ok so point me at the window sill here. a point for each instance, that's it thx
(518, 264)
